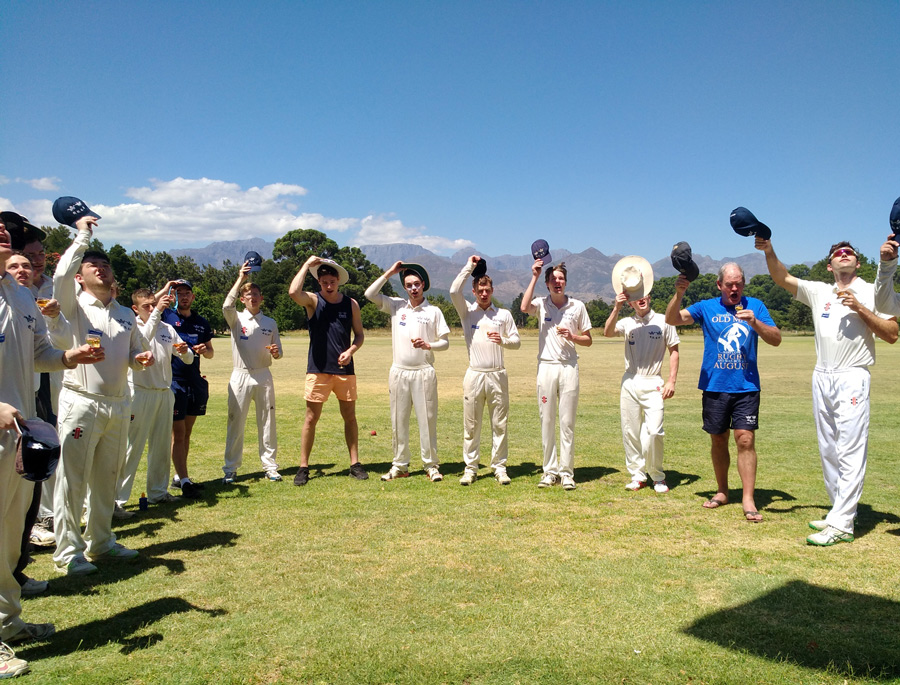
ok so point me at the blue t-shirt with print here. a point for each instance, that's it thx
(729, 345)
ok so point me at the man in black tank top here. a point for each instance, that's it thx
(332, 315)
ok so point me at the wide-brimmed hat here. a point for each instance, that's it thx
(632, 275)
(419, 271)
(744, 223)
(343, 276)
(21, 231)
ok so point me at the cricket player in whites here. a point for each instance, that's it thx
(846, 324)
(254, 344)
(647, 337)
(418, 330)
(487, 331)
(152, 402)
(564, 323)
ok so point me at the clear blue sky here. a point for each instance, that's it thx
(625, 126)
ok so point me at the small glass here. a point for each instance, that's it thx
(92, 339)
(42, 302)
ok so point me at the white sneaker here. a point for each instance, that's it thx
(818, 525)
(433, 474)
(469, 476)
(568, 482)
(10, 666)
(548, 480)
(117, 551)
(79, 566)
(502, 477)
(273, 476)
(395, 472)
(660, 486)
(41, 536)
(829, 536)
(120, 513)
(635, 484)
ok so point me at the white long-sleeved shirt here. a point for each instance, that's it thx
(24, 346)
(484, 354)
(161, 339)
(249, 335)
(115, 324)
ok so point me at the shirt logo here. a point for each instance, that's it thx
(732, 338)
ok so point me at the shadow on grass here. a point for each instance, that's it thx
(151, 556)
(867, 517)
(676, 479)
(765, 498)
(585, 474)
(119, 628)
(842, 632)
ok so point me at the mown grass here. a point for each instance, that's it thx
(413, 582)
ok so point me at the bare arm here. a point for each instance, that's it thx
(669, 387)
(777, 270)
(359, 336)
(526, 307)
(675, 315)
(300, 296)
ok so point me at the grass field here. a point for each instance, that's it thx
(416, 582)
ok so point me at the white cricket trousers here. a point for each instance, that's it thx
(841, 411)
(480, 388)
(93, 435)
(414, 389)
(557, 385)
(246, 386)
(15, 497)
(151, 412)
(641, 405)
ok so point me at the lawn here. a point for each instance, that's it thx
(344, 581)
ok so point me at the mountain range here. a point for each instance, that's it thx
(589, 271)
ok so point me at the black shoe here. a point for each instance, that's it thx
(191, 490)
(302, 477)
(358, 472)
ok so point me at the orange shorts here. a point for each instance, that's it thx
(320, 385)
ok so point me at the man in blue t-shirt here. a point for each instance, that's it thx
(729, 378)
(190, 387)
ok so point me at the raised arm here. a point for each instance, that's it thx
(373, 292)
(675, 315)
(526, 307)
(609, 328)
(305, 299)
(777, 270)
(456, 288)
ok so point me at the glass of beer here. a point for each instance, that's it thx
(92, 339)
(42, 302)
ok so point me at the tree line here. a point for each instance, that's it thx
(146, 269)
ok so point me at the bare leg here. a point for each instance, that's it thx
(746, 446)
(313, 412)
(721, 461)
(181, 444)
(351, 428)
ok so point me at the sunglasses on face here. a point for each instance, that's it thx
(842, 251)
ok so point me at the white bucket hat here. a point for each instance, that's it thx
(343, 276)
(632, 275)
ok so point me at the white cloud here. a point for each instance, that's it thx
(380, 230)
(45, 183)
(187, 212)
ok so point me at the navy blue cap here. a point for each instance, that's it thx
(683, 261)
(540, 249)
(895, 217)
(183, 282)
(67, 210)
(254, 260)
(744, 223)
(480, 268)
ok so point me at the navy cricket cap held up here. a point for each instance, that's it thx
(744, 223)
(540, 249)
(480, 268)
(895, 218)
(683, 261)
(67, 210)
(255, 261)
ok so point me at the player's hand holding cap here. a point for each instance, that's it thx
(254, 260)
(480, 268)
(67, 210)
(633, 276)
(683, 261)
(744, 223)
(540, 249)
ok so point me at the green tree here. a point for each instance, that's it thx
(447, 308)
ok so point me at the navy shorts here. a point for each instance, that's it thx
(724, 410)
(191, 396)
